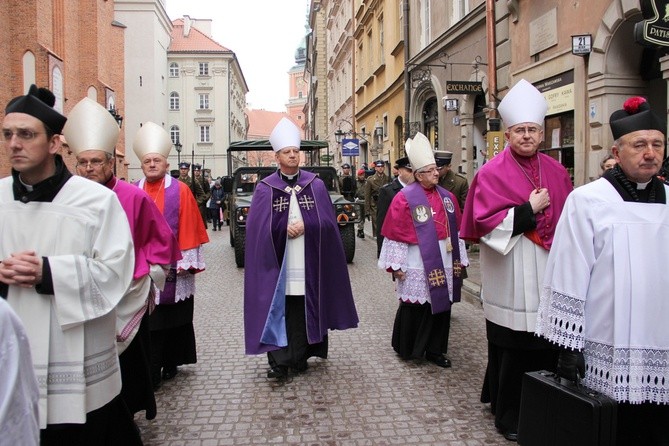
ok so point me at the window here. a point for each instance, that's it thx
(174, 101)
(204, 68)
(174, 69)
(204, 101)
(425, 37)
(382, 56)
(204, 133)
(175, 134)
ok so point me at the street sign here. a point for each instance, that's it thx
(327, 158)
(350, 147)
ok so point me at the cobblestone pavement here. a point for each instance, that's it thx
(363, 394)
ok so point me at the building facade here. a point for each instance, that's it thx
(447, 78)
(206, 93)
(147, 37)
(75, 51)
(379, 79)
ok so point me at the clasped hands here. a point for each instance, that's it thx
(295, 229)
(22, 269)
(539, 200)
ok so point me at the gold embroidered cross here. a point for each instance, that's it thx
(457, 268)
(436, 277)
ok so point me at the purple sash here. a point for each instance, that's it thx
(428, 245)
(171, 213)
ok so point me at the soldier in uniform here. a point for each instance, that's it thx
(374, 183)
(184, 167)
(361, 180)
(347, 182)
(448, 179)
(202, 192)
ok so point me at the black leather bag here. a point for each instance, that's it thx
(555, 411)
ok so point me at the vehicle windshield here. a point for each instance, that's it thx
(247, 178)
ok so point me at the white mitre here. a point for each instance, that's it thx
(419, 151)
(151, 138)
(285, 134)
(523, 103)
(90, 126)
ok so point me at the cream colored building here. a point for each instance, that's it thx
(379, 78)
(582, 90)
(147, 36)
(206, 96)
(315, 73)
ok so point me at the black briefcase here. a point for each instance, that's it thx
(556, 411)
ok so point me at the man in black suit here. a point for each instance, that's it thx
(388, 192)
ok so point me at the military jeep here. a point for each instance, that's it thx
(241, 185)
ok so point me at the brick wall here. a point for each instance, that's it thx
(82, 35)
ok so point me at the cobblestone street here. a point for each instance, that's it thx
(363, 394)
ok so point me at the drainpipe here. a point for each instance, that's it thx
(492, 60)
(407, 80)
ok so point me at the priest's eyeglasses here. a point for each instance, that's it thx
(22, 134)
(94, 163)
(520, 131)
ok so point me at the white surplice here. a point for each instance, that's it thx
(512, 270)
(84, 233)
(19, 418)
(606, 292)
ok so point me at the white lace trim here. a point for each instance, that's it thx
(560, 318)
(414, 288)
(191, 259)
(635, 375)
(393, 255)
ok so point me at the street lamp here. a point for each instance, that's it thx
(117, 117)
(178, 146)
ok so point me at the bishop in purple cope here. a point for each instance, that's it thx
(296, 283)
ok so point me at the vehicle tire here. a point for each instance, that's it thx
(240, 246)
(348, 239)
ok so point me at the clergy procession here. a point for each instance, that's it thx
(122, 322)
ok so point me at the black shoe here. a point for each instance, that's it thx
(169, 372)
(361, 234)
(511, 436)
(214, 228)
(440, 360)
(279, 372)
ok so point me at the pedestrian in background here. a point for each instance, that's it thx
(360, 181)
(216, 205)
(388, 192)
(372, 186)
(296, 283)
(607, 163)
(64, 269)
(423, 252)
(512, 209)
(92, 134)
(172, 333)
(605, 299)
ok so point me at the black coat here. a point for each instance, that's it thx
(386, 195)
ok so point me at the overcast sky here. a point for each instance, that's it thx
(264, 35)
